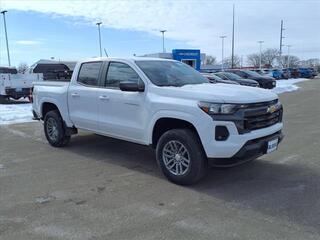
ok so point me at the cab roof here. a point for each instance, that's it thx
(131, 59)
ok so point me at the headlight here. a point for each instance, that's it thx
(218, 108)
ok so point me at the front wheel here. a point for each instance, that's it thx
(181, 157)
(54, 130)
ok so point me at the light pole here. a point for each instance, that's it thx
(163, 49)
(232, 50)
(222, 49)
(98, 24)
(288, 46)
(260, 42)
(5, 31)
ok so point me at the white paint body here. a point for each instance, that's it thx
(132, 116)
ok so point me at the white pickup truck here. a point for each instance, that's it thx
(166, 104)
(16, 85)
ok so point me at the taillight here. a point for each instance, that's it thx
(30, 95)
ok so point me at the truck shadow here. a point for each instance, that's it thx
(290, 192)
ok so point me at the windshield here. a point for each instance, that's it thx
(170, 73)
(231, 76)
(216, 77)
(252, 74)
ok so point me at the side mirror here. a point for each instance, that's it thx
(131, 87)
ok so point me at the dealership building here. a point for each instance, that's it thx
(192, 57)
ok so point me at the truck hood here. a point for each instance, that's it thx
(225, 93)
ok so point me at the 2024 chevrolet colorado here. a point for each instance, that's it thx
(165, 104)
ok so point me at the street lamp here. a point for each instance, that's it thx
(98, 24)
(222, 49)
(5, 31)
(163, 49)
(260, 42)
(288, 46)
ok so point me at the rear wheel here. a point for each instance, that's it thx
(181, 157)
(54, 130)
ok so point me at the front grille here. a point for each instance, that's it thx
(253, 116)
(257, 118)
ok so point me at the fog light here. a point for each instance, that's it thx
(221, 133)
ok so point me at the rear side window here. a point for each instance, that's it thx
(120, 72)
(89, 73)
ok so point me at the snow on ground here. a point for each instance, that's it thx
(22, 112)
(15, 113)
(287, 85)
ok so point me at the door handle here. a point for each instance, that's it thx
(103, 97)
(75, 95)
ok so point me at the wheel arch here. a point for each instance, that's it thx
(164, 124)
(47, 107)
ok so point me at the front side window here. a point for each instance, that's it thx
(120, 72)
(89, 73)
(170, 73)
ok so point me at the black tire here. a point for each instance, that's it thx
(60, 139)
(4, 99)
(198, 163)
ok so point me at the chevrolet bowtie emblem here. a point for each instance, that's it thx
(272, 109)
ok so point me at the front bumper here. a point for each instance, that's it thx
(269, 84)
(252, 149)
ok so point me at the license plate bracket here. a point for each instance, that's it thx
(272, 145)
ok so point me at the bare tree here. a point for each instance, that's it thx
(236, 61)
(210, 60)
(23, 67)
(269, 56)
(293, 61)
(254, 59)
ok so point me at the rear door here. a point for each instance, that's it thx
(82, 96)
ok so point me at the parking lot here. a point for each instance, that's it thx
(101, 188)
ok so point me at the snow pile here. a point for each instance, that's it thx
(287, 85)
(15, 113)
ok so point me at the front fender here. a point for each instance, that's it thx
(194, 119)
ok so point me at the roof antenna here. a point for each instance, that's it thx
(105, 51)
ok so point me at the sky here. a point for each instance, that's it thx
(66, 30)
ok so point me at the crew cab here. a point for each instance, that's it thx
(165, 104)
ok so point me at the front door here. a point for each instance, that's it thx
(121, 114)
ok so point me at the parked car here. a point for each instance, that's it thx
(165, 104)
(213, 78)
(286, 74)
(277, 74)
(305, 73)
(233, 77)
(314, 72)
(16, 85)
(264, 81)
(294, 72)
